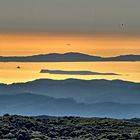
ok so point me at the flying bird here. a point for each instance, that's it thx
(122, 25)
(18, 67)
(68, 44)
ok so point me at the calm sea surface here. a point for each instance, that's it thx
(130, 71)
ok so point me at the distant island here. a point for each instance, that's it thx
(67, 57)
(75, 72)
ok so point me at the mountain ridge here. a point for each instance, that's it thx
(85, 91)
(40, 104)
(67, 57)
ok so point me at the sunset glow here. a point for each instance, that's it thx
(31, 71)
(100, 45)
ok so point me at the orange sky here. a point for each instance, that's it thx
(101, 45)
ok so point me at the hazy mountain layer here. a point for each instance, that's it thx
(86, 91)
(30, 104)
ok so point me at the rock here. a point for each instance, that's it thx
(9, 136)
(23, 135)
(4, 131)
(113, 136)
(37, 135)
(20, 137)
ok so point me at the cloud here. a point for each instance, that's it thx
(75, 72)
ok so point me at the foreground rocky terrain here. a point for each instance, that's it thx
(67, 128)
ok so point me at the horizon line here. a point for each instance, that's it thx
(68, 53)
(78, 79)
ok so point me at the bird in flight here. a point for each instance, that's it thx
(68, 44)
(18, 67)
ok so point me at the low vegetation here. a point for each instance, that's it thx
(13, 127)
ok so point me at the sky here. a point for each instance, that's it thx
(98, 27)
(70, 16)
(23, 45)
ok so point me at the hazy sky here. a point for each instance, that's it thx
(70, 16)
(29, 44)
(29, 27)
(89, 26)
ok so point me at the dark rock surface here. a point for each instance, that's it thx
(67, 128)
